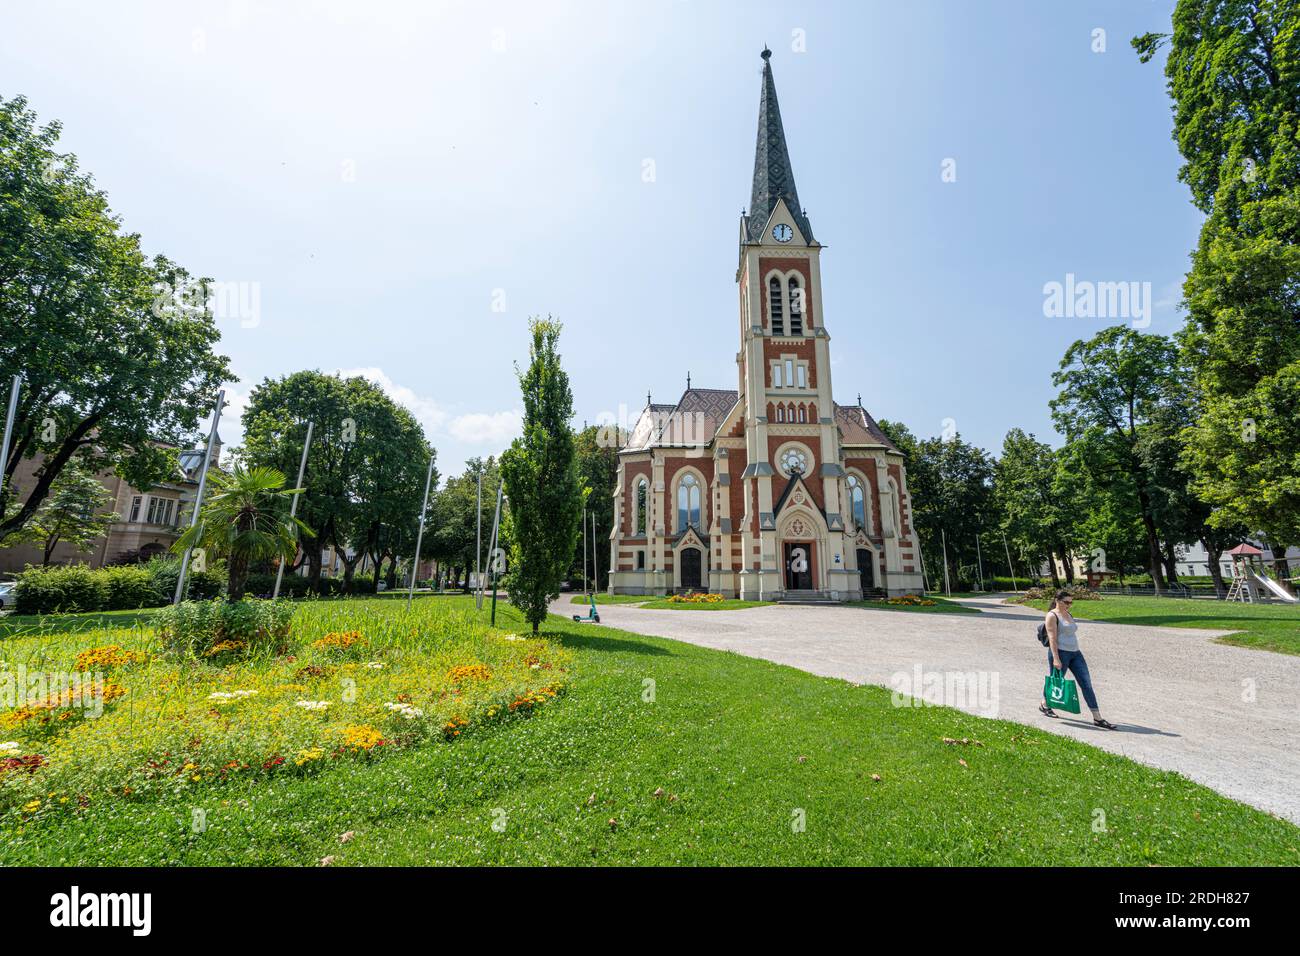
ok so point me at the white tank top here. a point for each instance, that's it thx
(1067, 633)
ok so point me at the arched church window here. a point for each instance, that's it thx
(803, 414)
(775, 306)
(688, 503)
(857, 502)
(642, 494)
(796, 307)
(780, 413)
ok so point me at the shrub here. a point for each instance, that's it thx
(200, 585)
(127, 587)
(60, 590)
(1079, 592)
(198, 628)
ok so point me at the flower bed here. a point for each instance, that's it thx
(352, 681)
(698, 597)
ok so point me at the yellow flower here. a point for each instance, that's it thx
(31, 806)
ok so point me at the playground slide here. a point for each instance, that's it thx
(1279, 592)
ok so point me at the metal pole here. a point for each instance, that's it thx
(496, 528)
(595, 569)
(293, 506)
(419, 535)
(585, 580)
(979, 559)
(9, 429)
(946, 588)
(478, 541)
(1014, 585)
(198, 497)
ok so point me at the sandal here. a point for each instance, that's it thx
(1104, 724)
(1046, 711)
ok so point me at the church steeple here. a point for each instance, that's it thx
(773, 175)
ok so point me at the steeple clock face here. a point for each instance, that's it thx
(782, 232)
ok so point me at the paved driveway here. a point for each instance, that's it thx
(1227, 717)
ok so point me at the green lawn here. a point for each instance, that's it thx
(604, 598)
(665, 753)
(941, 606)
(1270, 627)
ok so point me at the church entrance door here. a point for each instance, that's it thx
(691, 577)
(798, 566)
(866, 569)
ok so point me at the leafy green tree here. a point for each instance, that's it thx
(457, 514)
(951, 484)
(365, 472)
(1034, 503)
(1233, 73)
(541, 480)
(1112, 386)
(75, 513)
(246, 519)
(598, 473)
(113, 363)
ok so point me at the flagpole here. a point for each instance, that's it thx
(9, 429)
(293, 506)
(947, 589)
(1014, 585)
(419, 536)
(198, 497)
(492, 558)
(478, 541)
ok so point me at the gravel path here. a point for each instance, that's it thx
(1227, 717)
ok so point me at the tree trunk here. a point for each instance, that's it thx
(314, 559)
(1056, 575)
(1282, 571)
(1171, 562)
(1154, 560)
(1216, 574)
(1067, 564)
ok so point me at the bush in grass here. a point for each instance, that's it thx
(127, 587)
(1079, 592)
(208, 629)
(200, 585)
(60, 590)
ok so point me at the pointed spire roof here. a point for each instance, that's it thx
(773, 175)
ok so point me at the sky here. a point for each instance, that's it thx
(392, 189)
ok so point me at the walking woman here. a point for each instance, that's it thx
(1063, 654)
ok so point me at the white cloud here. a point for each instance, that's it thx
(479, 428)
(427, 411)
(474, 428)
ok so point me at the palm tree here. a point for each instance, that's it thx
(246, 520)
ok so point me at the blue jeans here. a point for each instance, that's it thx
(1073, 662)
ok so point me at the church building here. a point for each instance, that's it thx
(771, 491)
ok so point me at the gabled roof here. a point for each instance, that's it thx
(694, 420)
(859, 428)
(773, 174)
(700, 412)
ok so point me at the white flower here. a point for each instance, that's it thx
(375, 665)
(535, 667)
(406, 710)
(231, 694)
(312, 704)
(9, 747)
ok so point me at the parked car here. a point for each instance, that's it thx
(7, 595)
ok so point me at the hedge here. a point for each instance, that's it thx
(76, 588)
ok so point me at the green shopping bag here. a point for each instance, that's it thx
(1060, 693)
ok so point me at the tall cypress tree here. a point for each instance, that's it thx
(540, 474)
